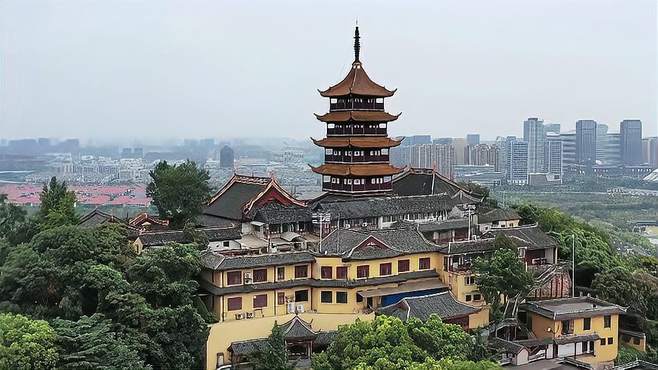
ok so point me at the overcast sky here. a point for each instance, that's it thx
(155, 69)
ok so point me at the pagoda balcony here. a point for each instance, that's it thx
(350, 105)
(350, 131)
(358, 159)
(356, 188)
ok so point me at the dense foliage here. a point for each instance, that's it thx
(389, 343)
(103, 306)
(502, 274)
(179, 191)
(26, 344)
(275, 354)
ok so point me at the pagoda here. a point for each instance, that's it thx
(357, 146)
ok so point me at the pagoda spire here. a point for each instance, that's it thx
(357, 43)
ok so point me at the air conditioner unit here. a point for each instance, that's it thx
(247, 277)
(365, 224)
(239, 316)
(300, 308)
(290, 307)
(347, 226)
(250, 315)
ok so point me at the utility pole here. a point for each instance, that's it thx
(573, 265)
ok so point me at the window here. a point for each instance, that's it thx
(477, 297)
(326, 178)
(226, 243)
(359, 298)
(234, 303)
(603, 341)
(403, 266)
(468, 298)
(362, 271)
(341, 272)
(301, 272)
(587, 323)
(584, 347)
(636, 341)
(469, 280)
(301, 296)
(341, 297)
(281, 298)
(325, 272)
(233, 277)
(607, 321)
(260, 275)
(326, 296)
(566, 327)
(280, 273)
(424, 263)
(385, 269)
(610, 340)
(260, 300)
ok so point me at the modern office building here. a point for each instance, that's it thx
(482, 154)
(437, 156)
(601, 141)
(612, 152)
(650, 151)
(535, 136)
(568, 147)
(631, 142)
(459, 145)
(473, 139)
(554, 153)
(585, 141)
(517, 161)
(552, 127)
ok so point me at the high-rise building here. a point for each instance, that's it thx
(356, 148)
(535, 136)
(502, 143)
(459, 145)
(226, 157)
(585, 141)
(482, 154)
(568, 147)
(601, 141)
(612, 152)
(472, 139)
(631, 142)
(554, 153)
(419, 139)
(517, 162)
(442, 140)
(437, 156)
(552, 127)
(650, 151)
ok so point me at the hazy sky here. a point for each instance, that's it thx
(155, 69)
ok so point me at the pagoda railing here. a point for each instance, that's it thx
(365, 187)
(347, 105)
(357, 159)
(356, 131)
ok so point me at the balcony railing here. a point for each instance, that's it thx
(356, 159)
(348, 105)
(356, 131)
(365, 187)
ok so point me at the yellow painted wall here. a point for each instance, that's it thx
(224, 333)
(543, 327)
(479, 319)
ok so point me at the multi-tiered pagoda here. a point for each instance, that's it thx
(357, 145)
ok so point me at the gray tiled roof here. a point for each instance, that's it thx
(247, 288)
(230, 203)
(568, 339)
(498, 214)
(296, 329)
(572, 308)
(416, 181)
(216, 261)
(247, 347)
(214, 221)
(442, 304)
(358, 208)
(213, 234)
(274, 213)
(401, 241)
(530, 237)
(97, 217)
(459, 223)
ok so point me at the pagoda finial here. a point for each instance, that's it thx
(357, 43)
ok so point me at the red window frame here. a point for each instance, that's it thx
(326, 272)
(280, 298)
(301, 271)
(341, 272)
(403, 266)
(260, 275)
(424, 263)
(362, 271)
(385, 269)
(231, 278)
(260, 300)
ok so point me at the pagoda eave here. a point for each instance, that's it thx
(357, 142)
(357, 83)
(357, 116)
(361, 170)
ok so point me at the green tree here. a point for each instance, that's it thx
(57, 205)
(501, 274)
(638, 290)
(388, 343)
(26, 344)
(11, 217)
(274, 356)
(179, 192)
(90, 343)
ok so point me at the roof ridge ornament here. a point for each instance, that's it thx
(357, 42)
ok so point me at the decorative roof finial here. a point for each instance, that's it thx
(357, 43)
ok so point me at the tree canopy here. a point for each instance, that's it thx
(26, 344)
(179, 191)
(57, 205)
(389, 343)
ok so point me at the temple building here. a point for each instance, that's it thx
(357, 146)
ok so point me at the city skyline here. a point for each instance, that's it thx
(192, 74)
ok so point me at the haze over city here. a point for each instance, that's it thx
(129, 70)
